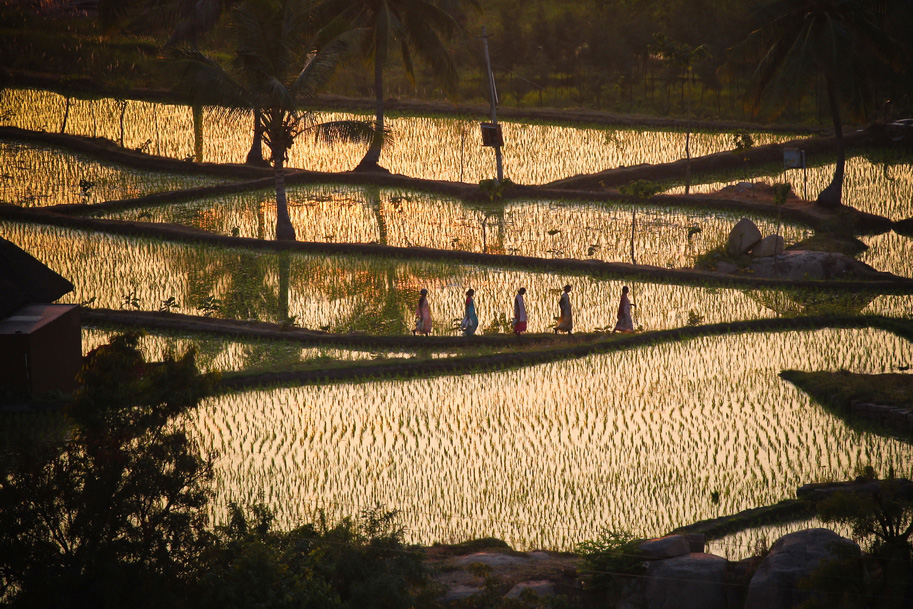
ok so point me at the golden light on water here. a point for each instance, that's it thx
(542, 456)
(545, 455)
(433, 148)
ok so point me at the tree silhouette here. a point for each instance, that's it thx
(280, 62)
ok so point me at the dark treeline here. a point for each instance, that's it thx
(659, 57)
(656, 57)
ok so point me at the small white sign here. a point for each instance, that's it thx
(793, 158)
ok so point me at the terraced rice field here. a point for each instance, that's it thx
(543, 456)
(425, 147)
(38, 176)
(348, 294)
(664, 237)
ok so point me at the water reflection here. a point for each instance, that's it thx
(36, 176)
(544, 456)
(879, 182)
(665, 237)
(346, 294)
(426, 147)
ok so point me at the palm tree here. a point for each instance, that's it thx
(415, 26)
(802, 40)
(275, 70)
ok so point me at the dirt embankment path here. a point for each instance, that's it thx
(539, 348)
(882, 283)
(589, 188)
(717, 162)
(93, 88)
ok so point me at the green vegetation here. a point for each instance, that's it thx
(604, 54)
(883, 517)
(839, 389)
(608, 559)
(112, 516)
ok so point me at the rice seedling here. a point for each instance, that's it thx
(38, 176)
(427, 147)
(638, 438)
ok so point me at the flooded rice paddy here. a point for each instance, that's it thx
(544, 456)
(879, 182)
(667, 237)
(350, 294)
(37, 176)
(425, 147)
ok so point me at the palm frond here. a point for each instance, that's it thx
(322, 63)
(200, 18)
(349, 131)
(204, 82)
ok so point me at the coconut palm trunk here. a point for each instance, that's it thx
(832, 196)
(371, 160)
(255, 154)
(284, 229)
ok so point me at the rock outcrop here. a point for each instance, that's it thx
(771, 245)
(744, 235)
(693, 581)
(792, 559)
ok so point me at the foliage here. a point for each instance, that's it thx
(114, 515)
(608, 558)
(412, 26)
(884, 516)
(280, 61)
(642, 190)
(358, 563)
(495, 189)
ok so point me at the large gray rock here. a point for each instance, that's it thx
(793, 558)
(771, 245)
(664, 547)
(799, 265)
(743, 237)
(695, 581)
(539, 588)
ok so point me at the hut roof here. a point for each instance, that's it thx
(25, 280)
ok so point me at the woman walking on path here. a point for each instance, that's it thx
(625, 321)
(566, 318)
(422, 314)
(470, 319)
(519, 312)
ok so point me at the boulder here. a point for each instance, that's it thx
(793, 558)
(695, 581)
(539, 588)
(771, 245)
(743, 237)
(800, 265)
(726, 267)
(492, 559)
(665, 547)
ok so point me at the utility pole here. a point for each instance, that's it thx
(494, 137)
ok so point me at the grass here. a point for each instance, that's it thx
(839, 389)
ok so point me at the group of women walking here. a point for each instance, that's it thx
(564, 321)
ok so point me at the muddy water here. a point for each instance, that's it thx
(544, 456)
